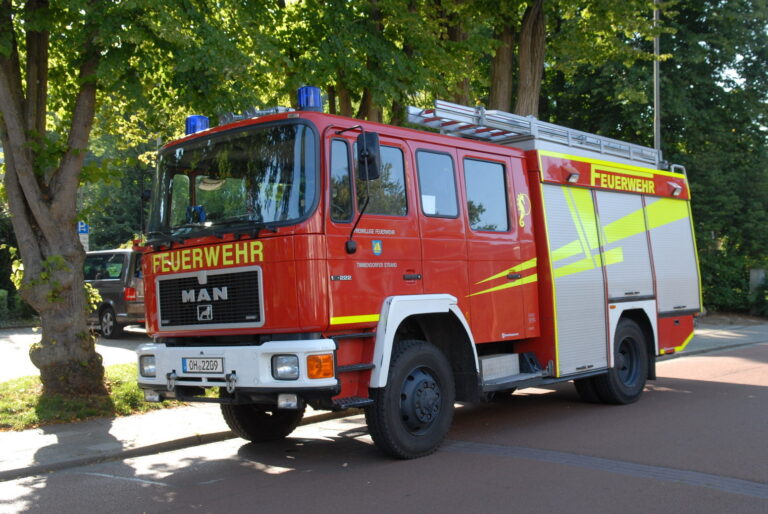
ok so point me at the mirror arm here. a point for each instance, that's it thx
(351, 245)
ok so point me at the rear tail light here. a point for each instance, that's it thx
(129, 294)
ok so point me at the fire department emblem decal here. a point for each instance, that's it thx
(378, 248)
(205, 312)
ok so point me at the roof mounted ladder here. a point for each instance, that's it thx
(507, 129)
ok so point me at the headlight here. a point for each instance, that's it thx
(285, 367)
(147, 366)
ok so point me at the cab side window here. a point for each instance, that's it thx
(437, 184)
(341, 186)
(387, 193)
(486, 196)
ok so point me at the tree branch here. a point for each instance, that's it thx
(16, 144)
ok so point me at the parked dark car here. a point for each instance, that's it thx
(117, 276)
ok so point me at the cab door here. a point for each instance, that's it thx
(443, 232)
(384, 258)
(494, 256)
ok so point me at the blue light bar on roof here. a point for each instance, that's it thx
(309, 99)
(196, 123)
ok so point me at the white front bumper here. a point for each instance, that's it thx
(251, 364)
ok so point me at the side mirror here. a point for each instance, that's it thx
(368, 156)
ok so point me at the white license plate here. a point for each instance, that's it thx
(202, 364)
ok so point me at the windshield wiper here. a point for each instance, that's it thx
(158, 239)
(243, 228)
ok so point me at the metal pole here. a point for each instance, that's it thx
(656, 85)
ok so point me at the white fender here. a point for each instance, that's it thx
(394, 310)
(614, 314)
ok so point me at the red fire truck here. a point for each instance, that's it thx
(299, 258)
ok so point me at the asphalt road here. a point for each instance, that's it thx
(15, 343)
(695, 442)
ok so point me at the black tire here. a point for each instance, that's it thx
(624, 383)
(411, 416)
(108, 324)
(257, 424)
(587, 390)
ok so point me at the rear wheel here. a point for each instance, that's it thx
(108, 323)
(624, 383)
(411, 416)
(257, 424)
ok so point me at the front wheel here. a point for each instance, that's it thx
(411, 415)
(624, 383)
(257, 424)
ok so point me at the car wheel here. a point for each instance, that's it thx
(108, 323)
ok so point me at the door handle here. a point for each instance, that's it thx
(514, 276)
(412, 276)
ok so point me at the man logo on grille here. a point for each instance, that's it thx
(205, 312)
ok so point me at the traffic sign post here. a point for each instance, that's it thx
(83, 230)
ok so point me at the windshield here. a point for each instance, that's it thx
(261, 176)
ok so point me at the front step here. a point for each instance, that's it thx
(502, 371)
(351, 402)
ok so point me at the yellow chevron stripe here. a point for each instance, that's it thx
(520, 267)
(525, 280)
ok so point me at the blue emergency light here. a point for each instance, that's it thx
(309, 99)
(196, 123)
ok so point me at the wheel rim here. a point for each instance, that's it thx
(107, 323)
(626, 362)
(420, 400)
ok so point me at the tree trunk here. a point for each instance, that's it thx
(330, 91)
(345, 101)
(500, 96)
(531, 59)
(368, 110)
(43, 200)
(457, 34)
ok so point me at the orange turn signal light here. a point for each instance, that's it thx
(320, 366)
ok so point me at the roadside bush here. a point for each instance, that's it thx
(725, 281)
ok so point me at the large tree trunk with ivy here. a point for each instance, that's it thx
(41, 180)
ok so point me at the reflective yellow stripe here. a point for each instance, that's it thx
(613, 256)
(520, 282)
(623, 228)
(520, 267)
(346, 320)
(583, 214)
(680, 348)
(666, 210)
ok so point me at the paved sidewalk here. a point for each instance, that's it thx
(55, 447)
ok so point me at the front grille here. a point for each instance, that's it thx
(224, 298)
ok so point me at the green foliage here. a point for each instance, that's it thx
(760, 300)
(92, 297)
(725, 282)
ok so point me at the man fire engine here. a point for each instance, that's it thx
(299, 258)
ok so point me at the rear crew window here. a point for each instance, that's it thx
(437, 184)
(486, 196)
(387, 192)
(341, 187)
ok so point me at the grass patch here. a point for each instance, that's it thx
(23, 407)
(6, 322)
